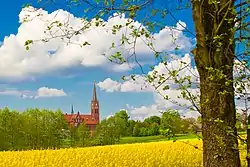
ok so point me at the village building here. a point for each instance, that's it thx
(91, 120)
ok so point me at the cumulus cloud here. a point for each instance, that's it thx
(160, 105)
(140, 84)
(142, 112)
(42, 92)
(109, 85)
(54, 55)
(137, 85)
(183, 65)
(50, 92)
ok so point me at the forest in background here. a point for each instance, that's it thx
(43, 129)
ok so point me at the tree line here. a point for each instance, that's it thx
(31, 129)
(43, 129)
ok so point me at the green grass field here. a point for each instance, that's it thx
(128, 140)
(147, 139)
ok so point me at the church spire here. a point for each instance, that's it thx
(72, 109)
(94, 93)
(95, 105)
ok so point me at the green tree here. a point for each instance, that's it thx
(73, 135)
(31, 129)
(136, 130)
(59, 125)
(185, 126)
(153, 119)
(166, 132)
(190, 125)
(15, 129)
(152, 124)
(214, 56)
(4, 120)
(11, 129)
(122, 121)
(5, 128)
(108, 132)
(171, 120)
(83, 135)
(153, 129)
(131, 125)
(46, 120)
(143, 131)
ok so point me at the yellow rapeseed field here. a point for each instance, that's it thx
(156, 154)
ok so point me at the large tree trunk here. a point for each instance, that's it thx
(220, 145)
(248, 143)
(214, 58)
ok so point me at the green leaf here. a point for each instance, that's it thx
(26, 5)
(166, 87)
(28, 42)
(125, 2)
(86, 10)
(154, 12)
(85, 43)
(59, 24)
(157, 54)
(113, 45)
(133, 77)
(102, 14)
(166, 97)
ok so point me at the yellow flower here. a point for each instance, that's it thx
(155, 154)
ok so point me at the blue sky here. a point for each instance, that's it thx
(72, 83)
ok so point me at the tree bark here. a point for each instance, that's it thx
(220, 144)
(214, 57)
(248, 143)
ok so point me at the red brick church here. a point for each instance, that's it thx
(75, 119)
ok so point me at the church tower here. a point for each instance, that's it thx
(95, 105)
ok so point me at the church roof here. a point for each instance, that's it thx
(87, 119)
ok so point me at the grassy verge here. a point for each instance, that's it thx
(146, 139)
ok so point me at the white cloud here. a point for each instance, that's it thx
(141, 85)
(16, 62)
(142, 112)
(42, 92)
(122, 67)
(13, 92)
(137, 85)
(50, 92)
(109, 85)
(160, 104)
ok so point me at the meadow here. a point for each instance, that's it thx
(146, 139)
(181, 153)
(138, 144)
